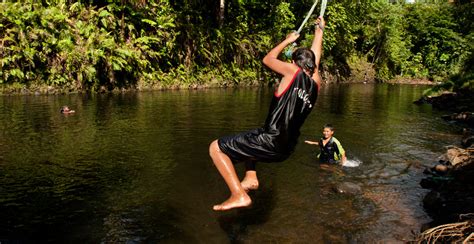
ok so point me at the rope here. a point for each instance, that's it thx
(323, 8)
(289, 51)
(321, 13)
(307, 16)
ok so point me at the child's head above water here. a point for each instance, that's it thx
(328, 131)
(66, 110)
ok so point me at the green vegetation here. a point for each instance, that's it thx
(105, 45)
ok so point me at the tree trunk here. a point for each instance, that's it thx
(220, 15)
(122, 20)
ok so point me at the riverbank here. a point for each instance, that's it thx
(457, 102)
(16, 89)
(328, 78)
(450, 202)
(412, 81)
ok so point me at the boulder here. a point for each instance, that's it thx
(458, 156)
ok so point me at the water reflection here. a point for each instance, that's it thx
(237, 223)
(135, 168)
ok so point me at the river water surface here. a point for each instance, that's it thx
(135, 168)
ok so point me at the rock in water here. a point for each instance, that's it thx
(348, 188)
(458, 156)
(441, 168)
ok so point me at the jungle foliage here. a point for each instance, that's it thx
(92, 45)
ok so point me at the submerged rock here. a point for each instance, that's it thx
(463, 117)
(348, 188)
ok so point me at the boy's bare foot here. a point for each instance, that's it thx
(250, 181)
(234, 202)
(249, 184)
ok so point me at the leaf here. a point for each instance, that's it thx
(150, 22)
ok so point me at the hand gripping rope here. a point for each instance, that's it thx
(289, 50)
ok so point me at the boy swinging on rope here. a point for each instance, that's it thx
(292, 102)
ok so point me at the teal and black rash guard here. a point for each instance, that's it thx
(276, 140)
(331, 152)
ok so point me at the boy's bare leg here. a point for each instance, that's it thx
(238, 197)
(250, 181)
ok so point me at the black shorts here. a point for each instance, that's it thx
(254, 145)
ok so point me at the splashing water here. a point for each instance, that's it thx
(352, 163)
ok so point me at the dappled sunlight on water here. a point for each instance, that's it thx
(135, 168)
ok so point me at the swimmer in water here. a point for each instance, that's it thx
(331, 150)
(66, 110)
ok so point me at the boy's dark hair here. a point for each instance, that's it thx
(305, 59)
(329, 126)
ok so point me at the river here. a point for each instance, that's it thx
(134, 168)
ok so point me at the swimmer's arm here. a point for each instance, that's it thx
(343, 158)
(271, 59)
(312, 142)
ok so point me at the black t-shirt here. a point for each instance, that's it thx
(288, 111)
(276, 140)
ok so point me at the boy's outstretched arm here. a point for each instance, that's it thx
(317, 46)
(312, 142)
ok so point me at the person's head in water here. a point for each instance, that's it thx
(305, 59)
(66, 110)
(328, 131)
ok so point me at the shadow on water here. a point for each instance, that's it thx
(143, 224)
(237, 222)
(70, 207)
